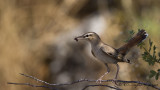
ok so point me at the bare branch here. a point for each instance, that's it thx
(120, 83)
(28, 84)
(101, 86)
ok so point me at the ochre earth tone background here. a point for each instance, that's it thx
(37, 38)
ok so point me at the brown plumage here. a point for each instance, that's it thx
(138, 38)
(108, 54)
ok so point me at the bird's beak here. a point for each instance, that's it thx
(79, 38)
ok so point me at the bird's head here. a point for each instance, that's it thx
(90, 36)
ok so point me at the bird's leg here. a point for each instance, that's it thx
(117, 71)
(108, 70)
(116, 74)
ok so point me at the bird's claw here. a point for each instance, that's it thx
(115, 81)
(99, 80)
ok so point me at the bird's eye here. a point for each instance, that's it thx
(87, 35)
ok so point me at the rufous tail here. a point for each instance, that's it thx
(138, 38)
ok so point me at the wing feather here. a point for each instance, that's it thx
(111, 52)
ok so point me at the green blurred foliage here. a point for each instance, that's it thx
(149, 55)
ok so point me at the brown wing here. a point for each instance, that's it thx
(107, 53)
(93, 53)
(110, 52)
(138, 38)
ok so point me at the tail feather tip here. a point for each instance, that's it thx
(145, 35)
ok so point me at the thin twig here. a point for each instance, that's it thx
(43, 86)
(86, 80)
(78, 81)
(101, 86)
(28, 84)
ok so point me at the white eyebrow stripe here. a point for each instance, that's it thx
(89, 33)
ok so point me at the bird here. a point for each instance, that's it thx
(108, 54)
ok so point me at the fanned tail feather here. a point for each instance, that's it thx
(138, 38)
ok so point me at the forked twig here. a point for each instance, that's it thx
(49, 85)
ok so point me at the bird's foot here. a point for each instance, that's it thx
(115, 81)
(99, 81)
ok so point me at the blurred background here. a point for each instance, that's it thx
(37, 38)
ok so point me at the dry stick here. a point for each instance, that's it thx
(101, 86)
(43, 86)
(86, 80)
(28, 84)
(36, 79)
